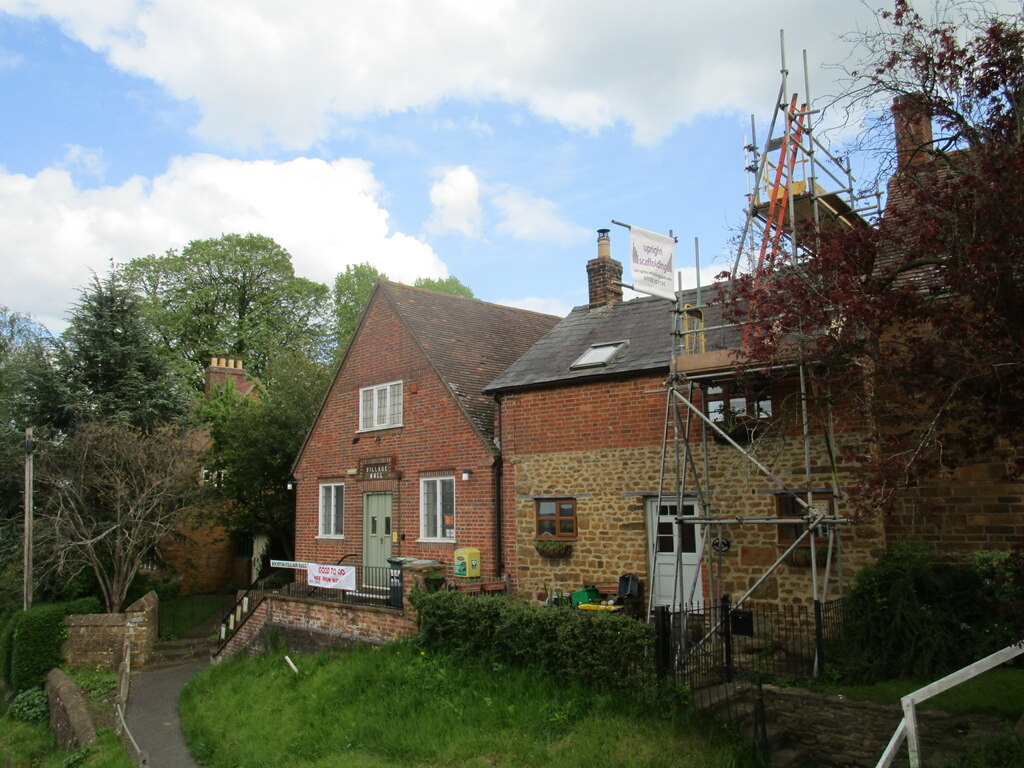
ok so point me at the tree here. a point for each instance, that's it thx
(235, 295)
(255, 442)
(352, 289)
(918, 319)
(110, 493)
(450, 285)
(20, 339)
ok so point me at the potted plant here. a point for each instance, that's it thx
(553, 548)
(434, 580)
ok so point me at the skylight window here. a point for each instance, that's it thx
(599, 354)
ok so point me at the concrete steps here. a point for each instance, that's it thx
(171, 653)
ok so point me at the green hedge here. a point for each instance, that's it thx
(585, 645)
(30, 644)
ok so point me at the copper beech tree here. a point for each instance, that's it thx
(918, 321)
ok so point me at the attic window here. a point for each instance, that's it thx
(599, 354)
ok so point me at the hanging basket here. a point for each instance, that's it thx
(801, 557)
(553, 549)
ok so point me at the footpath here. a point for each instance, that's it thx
(153, 701)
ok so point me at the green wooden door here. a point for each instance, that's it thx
(376, 529)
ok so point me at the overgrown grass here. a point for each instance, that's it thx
(998, 692)
(180, 615)
(31, 745)
(399, 708)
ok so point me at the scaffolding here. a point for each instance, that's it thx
(796, 188)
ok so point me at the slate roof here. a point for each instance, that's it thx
(467, 341)
(646, 323)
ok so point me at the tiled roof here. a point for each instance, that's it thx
(469, 342)
(646, 323)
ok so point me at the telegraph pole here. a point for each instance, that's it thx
(27, 563)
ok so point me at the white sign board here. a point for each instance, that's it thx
(651, 257)
(288, 564)
(331, 576)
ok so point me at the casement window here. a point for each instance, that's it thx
(437, 508)
(787, 506)
(693, 330)
(380, 407)
(729, 402)
(556, 517)
(332, 507)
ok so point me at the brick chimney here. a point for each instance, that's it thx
(604, 274)
(913, 123)
(220, 371)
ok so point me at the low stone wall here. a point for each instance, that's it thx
(96, 639)
(834, 731)
(70, 718)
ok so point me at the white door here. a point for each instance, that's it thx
(675, 548)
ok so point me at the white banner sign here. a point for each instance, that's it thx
(331, 576)
(651, 256)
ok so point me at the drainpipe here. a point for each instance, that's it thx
(499, 560)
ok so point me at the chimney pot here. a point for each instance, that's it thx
(604, 274)
(222, 363)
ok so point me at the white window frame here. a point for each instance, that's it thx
(436, 492)
(598, 355)
(385, 406)
(335, 516)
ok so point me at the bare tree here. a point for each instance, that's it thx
(112, 493)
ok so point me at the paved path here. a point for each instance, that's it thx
(153, 713)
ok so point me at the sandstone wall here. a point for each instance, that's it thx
(96, 640)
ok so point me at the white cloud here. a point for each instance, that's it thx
(548, 306)
(456, 201)
(264, 70)
(327, 215)
(533, 218)
(84, 162)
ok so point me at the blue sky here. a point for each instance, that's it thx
(488, 140)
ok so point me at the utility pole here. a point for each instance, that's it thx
(27, 564)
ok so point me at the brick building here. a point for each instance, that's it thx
(401, 459)
(583, 420)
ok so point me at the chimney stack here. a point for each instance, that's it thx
(221, 370)
(913, 123)
(604, 274)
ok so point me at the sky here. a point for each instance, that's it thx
(485, 140)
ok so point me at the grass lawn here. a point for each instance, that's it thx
(179, 616)
(394, 707)
(31, 745)
(998, 692)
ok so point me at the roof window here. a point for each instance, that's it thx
(599, 354)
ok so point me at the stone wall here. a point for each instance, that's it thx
(978, 506)
(601, 444)
(70, 718)
(96, 639)
(834, 731)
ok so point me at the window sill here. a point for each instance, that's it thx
(330, 537)
(435, 541)
(378, 429)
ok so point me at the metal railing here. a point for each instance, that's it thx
(715, 643)
(907, 729)
(379, 586)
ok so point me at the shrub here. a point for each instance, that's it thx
(8, 620)
(912, 615)
(592, 646)
(36, 641)
(30, 706)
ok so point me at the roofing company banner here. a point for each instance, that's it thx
(651, 257)
(331, 576)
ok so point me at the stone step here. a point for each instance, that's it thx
(170, 652)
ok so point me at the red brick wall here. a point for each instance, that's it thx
(436, 438)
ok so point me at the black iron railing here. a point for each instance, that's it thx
(379, 586)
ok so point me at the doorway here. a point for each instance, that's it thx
(675, 548)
